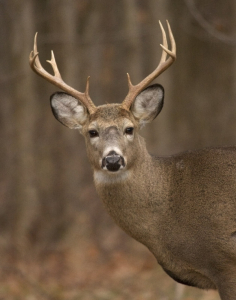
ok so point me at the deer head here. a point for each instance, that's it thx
(111, 130)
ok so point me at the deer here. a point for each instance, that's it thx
(181, 207)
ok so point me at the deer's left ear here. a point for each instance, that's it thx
(148, 104)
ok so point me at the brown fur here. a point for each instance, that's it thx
(183, 207)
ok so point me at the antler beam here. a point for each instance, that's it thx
(134, 90)
(56, 79)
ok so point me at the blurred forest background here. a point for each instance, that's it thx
(56, 239)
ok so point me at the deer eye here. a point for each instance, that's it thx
(93, 133)
(129, 130)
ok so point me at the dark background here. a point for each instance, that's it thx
(56, 239)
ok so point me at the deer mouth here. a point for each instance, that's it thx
(113, 162)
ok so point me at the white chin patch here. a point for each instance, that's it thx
(106, 177)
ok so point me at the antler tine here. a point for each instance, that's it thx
(53, 63)
(172, 53)
(134, 90)
(34, 54)
(165, 43)
(56, 79)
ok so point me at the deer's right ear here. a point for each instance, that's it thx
(148, 104)
(68, 110)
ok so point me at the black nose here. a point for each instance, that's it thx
(113, 161)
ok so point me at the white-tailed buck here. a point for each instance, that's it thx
(183, 207)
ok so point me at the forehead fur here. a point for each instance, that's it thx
(111, 112)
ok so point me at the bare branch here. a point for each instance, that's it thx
(206, 25)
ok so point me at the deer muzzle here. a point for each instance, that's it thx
(113, 162)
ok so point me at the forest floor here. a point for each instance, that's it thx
(83, 273)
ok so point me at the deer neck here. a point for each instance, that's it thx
(132, 198)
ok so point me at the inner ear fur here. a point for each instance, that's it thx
(68, 110)
(148, 104)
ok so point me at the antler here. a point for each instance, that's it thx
(57, 80)
(134, 90)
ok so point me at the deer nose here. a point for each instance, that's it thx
(113, 161)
